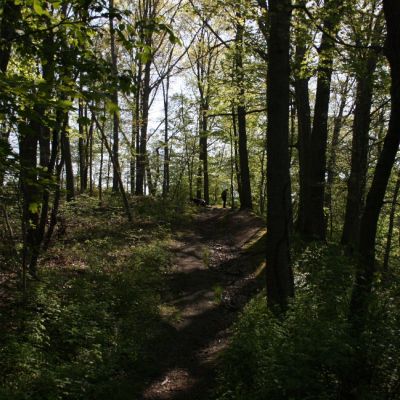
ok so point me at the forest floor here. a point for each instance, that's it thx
(216, 269)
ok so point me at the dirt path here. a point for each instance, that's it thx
(208, 298)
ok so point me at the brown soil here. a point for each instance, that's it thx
(213, 279)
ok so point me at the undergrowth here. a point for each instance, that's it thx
(312, 352)
(89, 326)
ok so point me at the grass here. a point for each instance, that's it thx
(206, 253)
(218, 293)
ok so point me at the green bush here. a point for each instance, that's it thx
(313, 352)
(78, 331)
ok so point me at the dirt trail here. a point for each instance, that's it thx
(208, 298)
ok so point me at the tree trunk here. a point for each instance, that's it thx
(280, 283)
(236, 159)
(28, 140)
(116, 170)
(69, 170)
(337, 126)
(11, 15)
(132, 152)
(304, 136)
(356, 183)
(165, 186)
(245, 192)
(204, 149)
(141, 157)
(136, 129)
(91, 157)
(101, 168)
(82, 150)
(315, 222)
(314, 226)
(391, 224)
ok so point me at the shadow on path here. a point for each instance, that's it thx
(209, 298)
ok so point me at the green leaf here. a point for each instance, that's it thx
(84, 121)
(38, 7)
(65, 103)
(112, 108)
(34, 208)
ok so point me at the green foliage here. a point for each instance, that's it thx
(206, 256)
(95, 314)
(311, 352)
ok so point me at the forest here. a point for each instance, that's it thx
(115, 114)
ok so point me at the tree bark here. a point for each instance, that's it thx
(280, 283)
(337, 126)
(391, 225)
(314, 226)
(28, 141)
(66, 152)
(11, 14)
(165, 186)
(357, 181)
(116, 170)
(245, 192)
(141, 157)
(236, 159)
(204, 148)
(304, 136)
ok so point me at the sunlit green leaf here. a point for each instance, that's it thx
(34, 208)
(112, 108)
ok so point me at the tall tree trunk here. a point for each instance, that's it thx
(151, 185)
(391, 224)
(304, 135)
(280, 283)
(262, 183)
(82, 150)
(101, 170)
(56, 203)
(5, 148)
(69, 170)
(233, 162)
(141, 157)
(165, 186)
(337, 126)
(116, 170)
(11, 15)
(204, 148)
(236, 159)
(91, 157)
(245, 193)
(136, 129)
(315, 222)
(28, 141)
(133, 151)
(199, 180)
(356, 183)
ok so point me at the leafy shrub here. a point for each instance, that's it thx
(312, 352)
(93, 316)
